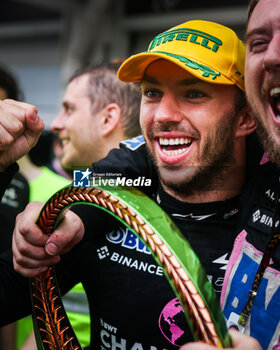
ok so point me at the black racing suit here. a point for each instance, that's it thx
(13, 202)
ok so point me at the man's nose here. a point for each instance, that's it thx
(272, 55)
(168, 110)
(58, 123)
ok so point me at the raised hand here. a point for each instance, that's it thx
(20, 128)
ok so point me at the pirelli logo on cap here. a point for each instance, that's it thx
(196, 37)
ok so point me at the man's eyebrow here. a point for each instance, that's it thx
(183, 82)
(193, 81)
(148, 79)
(67, 104)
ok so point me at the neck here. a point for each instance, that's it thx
(111, 141)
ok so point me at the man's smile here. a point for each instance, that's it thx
(274, 101)
(64, 141)
(173, 149)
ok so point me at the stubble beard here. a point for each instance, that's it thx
(269, 144)
(217, 154)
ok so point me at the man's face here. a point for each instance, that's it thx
(76, 126)
(262, 73)
(188, 125)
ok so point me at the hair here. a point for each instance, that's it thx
(240, 99)
(9, 84)
(251, 6)
(104, 88)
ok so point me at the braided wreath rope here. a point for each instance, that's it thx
(167, 245)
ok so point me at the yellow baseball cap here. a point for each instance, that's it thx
(208, 50)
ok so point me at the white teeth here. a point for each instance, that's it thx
(175, 141)
(163, 142)
(64, 141)
(174, 152)
(275, 92)
(172, 142)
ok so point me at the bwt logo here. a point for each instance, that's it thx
(81, 178)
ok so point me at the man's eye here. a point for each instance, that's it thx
(258, 45)
(68, 109)
(151, 93)
(195, 94)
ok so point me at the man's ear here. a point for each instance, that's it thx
(110, 119)
(245, 123)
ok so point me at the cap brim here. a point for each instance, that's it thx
(133, 69)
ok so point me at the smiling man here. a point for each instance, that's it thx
(98, 111)
(263, 72)
(193, 152)
(193, 114)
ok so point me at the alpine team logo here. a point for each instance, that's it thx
(134, 143)
(223, 261)
(81, 178)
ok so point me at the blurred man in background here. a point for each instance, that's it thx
(98, 111)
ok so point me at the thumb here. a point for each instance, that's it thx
(242, 341)
(34, 126)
